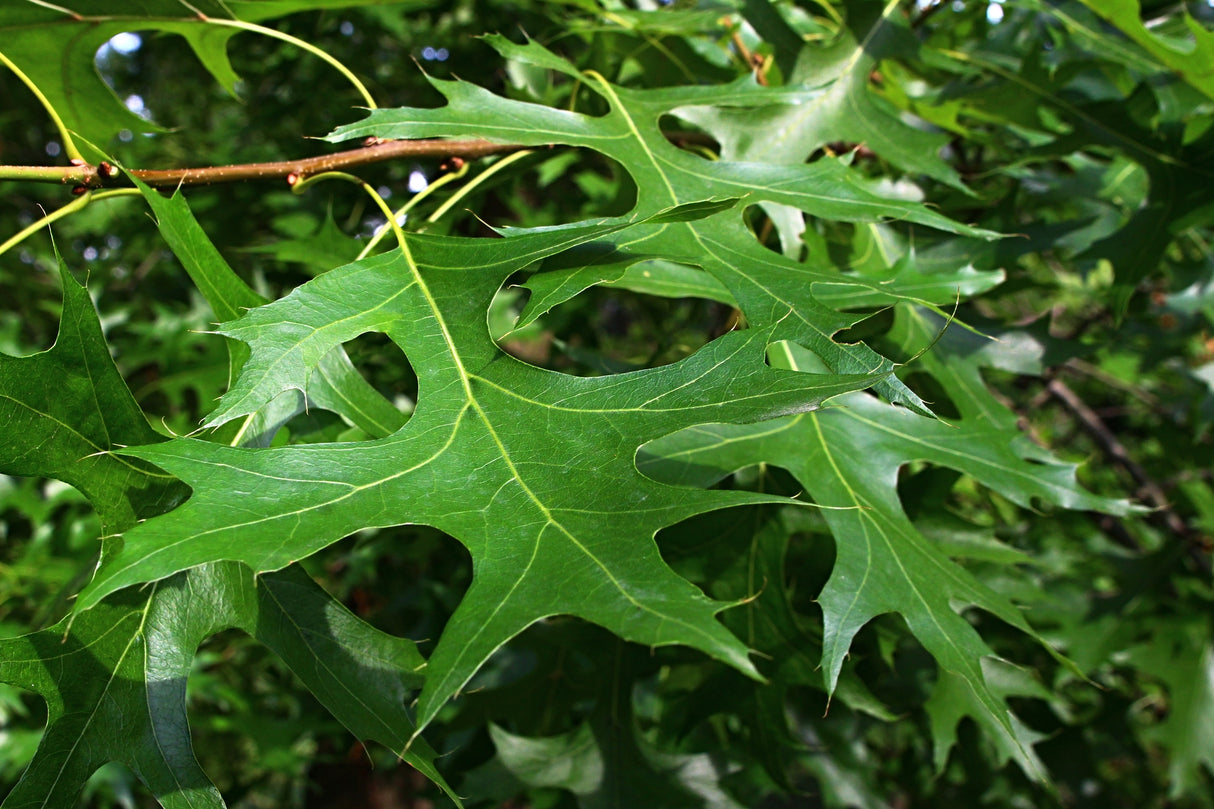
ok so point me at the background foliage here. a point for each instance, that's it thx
(729, 215)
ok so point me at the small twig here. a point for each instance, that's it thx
(1078, 366)
(101, 176)
(1148, 490)
(84, 177)
(756, 62)
(298, 185)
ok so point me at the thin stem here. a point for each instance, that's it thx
(64, 175)
(468, 188)
(376, 152)
(73, 206)
(1094, 426)
(21, 235)
(299, 43)
(69, 145)
(299, 187)
(408, 206)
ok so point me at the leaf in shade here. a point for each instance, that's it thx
(64, 409)
(1193, 60)
(1182, 656)
(114, 678)
(848, 458)
(56, 45)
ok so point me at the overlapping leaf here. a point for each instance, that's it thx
(114, 677)
(606, 766)
(542, 461)
(336, 386)
(849, 457)
(61, 411)
(1151, 129)
(525, 467)
(1183, 658)
(1191, 57)
(835, 105)
(55, 45)
(772, 290)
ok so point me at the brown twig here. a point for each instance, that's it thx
(1148, 490)
(84, 176)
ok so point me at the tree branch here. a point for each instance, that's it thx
(1148, 489)
(83, 176)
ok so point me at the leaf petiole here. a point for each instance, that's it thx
(408, 206)
(298, 184)
(480, 178)
(307, 46)
(69, 145)
(73, 206)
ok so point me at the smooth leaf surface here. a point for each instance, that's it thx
(887, 595)
(835, 106)
(64, 409)
(336, 386)
(849, 457)
(543, 460)
(772, 290)
(114, 678)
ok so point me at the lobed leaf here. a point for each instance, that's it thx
(114, 677)
(771, 290)
(56, 45)
(63, 410)
(848, 458)
(523, 466)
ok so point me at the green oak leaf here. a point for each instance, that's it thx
(1179, 197)
(836, 104)
(55, 45)
(1054, 105)
(771, 290)
(1192, 58)
(954, 699)
(114, 678)
(607, 761)
(1182, 656)
(746, 556)
(848, 458)
(606, 766)
(523, 466)
(337, 386)
(318, 251)
(888, 273)
(62, 410)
